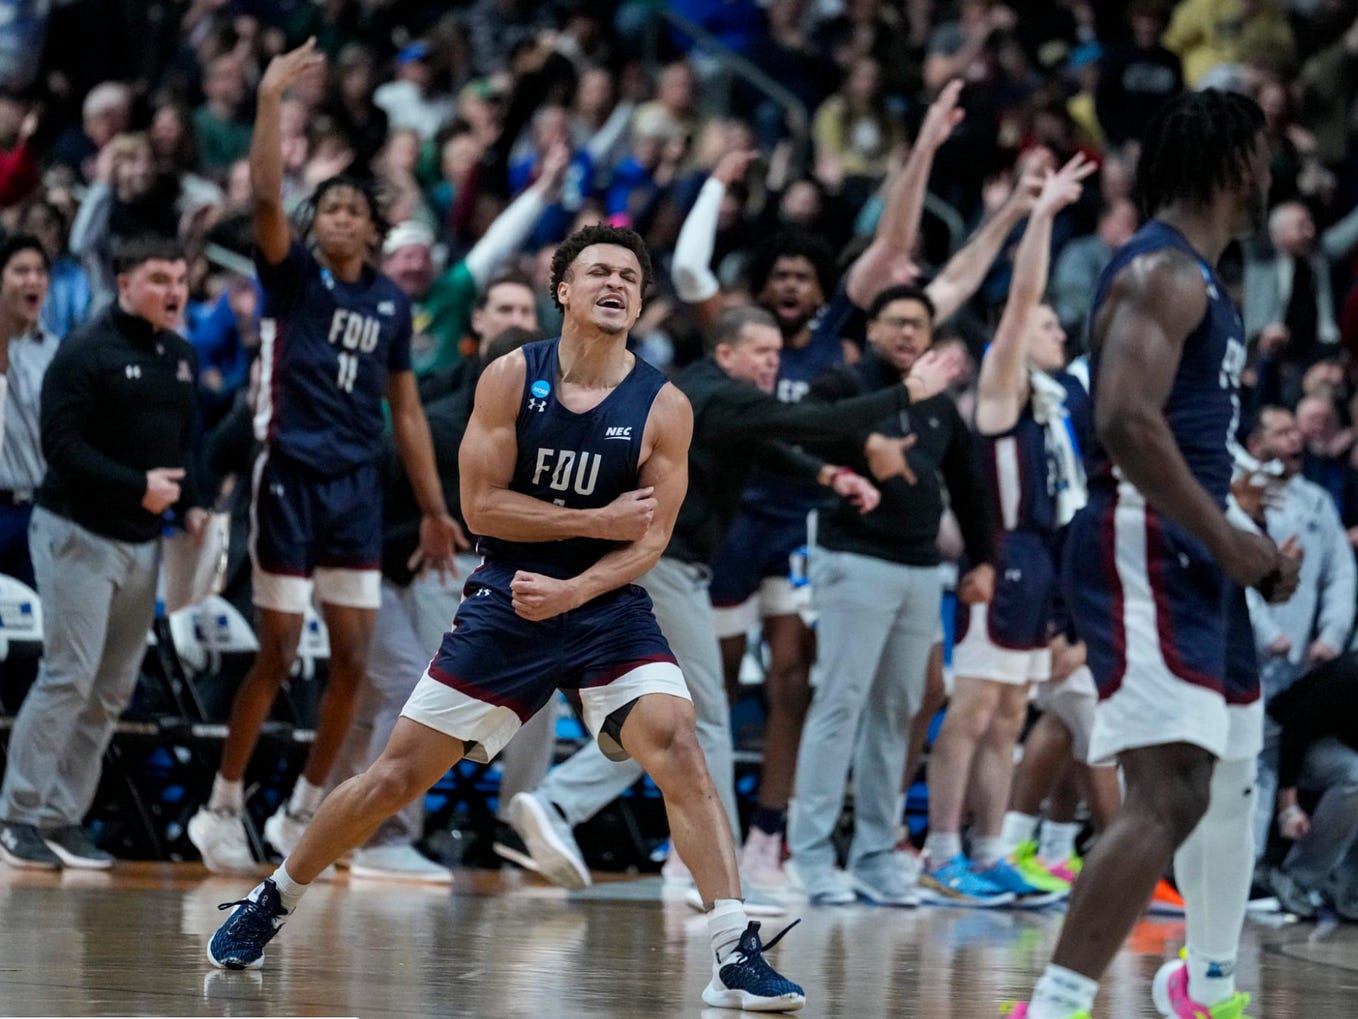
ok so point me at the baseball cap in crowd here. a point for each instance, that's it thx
(418, 50)
(405, 234)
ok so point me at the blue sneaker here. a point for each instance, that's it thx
(1004, 876)
(239, 943)
(746, 981)
(956, 884)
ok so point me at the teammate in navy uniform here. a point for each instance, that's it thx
(1033, 488)
(1155, 571)
(336, 342)
(573, 469)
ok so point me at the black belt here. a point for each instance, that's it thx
(9, 497)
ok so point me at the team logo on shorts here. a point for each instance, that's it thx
(540, 391)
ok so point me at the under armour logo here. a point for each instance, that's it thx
(538, 405)
(1013, 576)
(132, 371)
(482, 592)
(276, 489)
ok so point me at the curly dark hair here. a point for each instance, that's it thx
(306, 215)
(569, 250)
(1195, 145)
(792, 242)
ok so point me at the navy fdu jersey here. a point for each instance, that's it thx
(581, 461)
(773, 494)
(1022, 470)
(1203, 408)
(327, 348)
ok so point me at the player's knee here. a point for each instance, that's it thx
(676, 756)
(1181, 803)
(391, 785)
(278, 651)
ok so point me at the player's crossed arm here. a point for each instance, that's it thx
(664, 470)
(486, 467)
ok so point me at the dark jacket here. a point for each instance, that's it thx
(117, 401)
(734, 428)
(1322, 704)
(904, 526)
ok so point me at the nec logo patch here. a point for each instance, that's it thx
(618, 432)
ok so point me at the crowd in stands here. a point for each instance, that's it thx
(853, 167)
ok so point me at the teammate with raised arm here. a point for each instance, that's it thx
(335, 345)
(573, 468)
(1155, 572)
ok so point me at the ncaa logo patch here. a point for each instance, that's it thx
(540, 389)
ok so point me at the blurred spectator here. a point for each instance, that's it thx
(1326, 458)
(460, 150)
(1138, 75)
(68, 293)
(871, 28)
(410, 101)
(1083, 260)
(129, 198)
(855, 133)
(1289, 305)
(105, 113)
(18, 165)
(350, 104)
(643, 178)
(26, 349)
(495, 28)
(21, 44)
(226, 338)
(221, 126)
(1210, 34)
(551, 128)
(676, 98)
(1328, 87)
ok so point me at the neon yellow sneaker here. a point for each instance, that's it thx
(1025, 860)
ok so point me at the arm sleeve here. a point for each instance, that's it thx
(742, 411)
(504, 236)
(962, 474)
(691, 270)
(789, 461)
(67, 390)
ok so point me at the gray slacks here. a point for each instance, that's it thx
(1331, 847)
(98, 598)
(588, 782)
(875, 624)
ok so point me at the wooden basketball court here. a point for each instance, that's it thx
(130, 942)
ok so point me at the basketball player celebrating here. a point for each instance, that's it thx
(573, 467)
(1025, 425)
(336, 342)
(1155, 572)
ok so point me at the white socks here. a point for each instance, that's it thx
(1213, 869)
(986, 850)
(1061, 993)
(1058, 842)
(1017, 828)
(940, 847)
(726, 922)
(289, 891)
(306, 798)
(227, 797)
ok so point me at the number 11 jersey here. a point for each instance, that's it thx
(327, 350)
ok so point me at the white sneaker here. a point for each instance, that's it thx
(761, 860)
(398, 863)
(284, 830)
(220, 838)
(549, 841)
